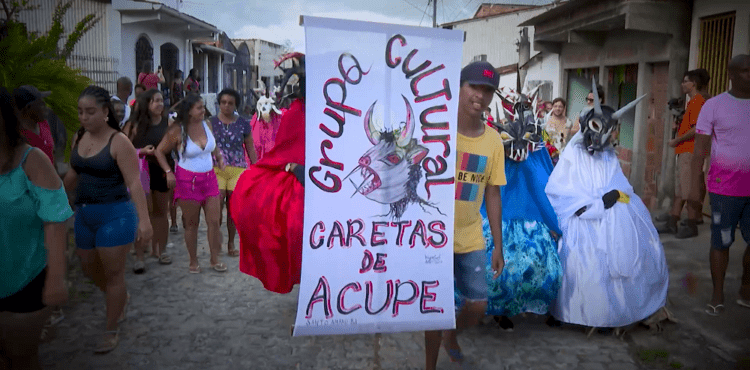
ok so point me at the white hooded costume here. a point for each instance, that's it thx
(614, 269)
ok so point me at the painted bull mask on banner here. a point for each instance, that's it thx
(388, 173)
(598, 124)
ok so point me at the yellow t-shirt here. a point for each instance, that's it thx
(480, 161)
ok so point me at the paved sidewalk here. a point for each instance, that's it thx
(227, 320)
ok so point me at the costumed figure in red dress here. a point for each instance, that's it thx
(268, 201)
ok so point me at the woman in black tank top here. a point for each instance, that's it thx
(104, 167)
(146, 130)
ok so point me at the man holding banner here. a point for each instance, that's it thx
(479, 171)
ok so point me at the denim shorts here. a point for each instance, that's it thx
(726, 213)
(105, 225)
(469, 272)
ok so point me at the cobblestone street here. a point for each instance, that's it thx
(227, 320)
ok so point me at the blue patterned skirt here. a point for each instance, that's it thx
(532, 273)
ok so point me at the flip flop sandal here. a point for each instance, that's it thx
(455, 355)
(123, 316)
(219, 267)
(139, 267)
(233, 253)
(194, 270)
(165, 259)
(714, 310)
(109, 342)
(744, 302)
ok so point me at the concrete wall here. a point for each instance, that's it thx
(545, 67)
(496, 37)
(158, 36)
(704, 8)
(265, 54)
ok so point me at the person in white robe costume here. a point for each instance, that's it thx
(614, 270)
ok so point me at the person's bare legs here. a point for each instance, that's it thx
(432, 340)
(695, 211)
(92, 267)
(159, 222)
(145, 246)
(113, 260)
(190, 221)
(212, 212)
(231, 229)
(470, 315)
(677, 207)
(172, 207)
(745, 288)
(20, 335)
(719, 261)
(223, 199)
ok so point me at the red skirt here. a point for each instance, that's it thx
(267, 207)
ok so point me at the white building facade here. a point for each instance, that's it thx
(495, 38)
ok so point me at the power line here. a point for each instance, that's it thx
(416, 7)
(443, 10)
(460, 9)
(423, 13)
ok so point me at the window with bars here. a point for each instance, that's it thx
(715, 49)
(480, 58)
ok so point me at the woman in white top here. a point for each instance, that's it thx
(194, 181)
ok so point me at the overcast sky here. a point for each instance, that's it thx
(278, 20)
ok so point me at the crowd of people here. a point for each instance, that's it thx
(554, 229)
(131, 165)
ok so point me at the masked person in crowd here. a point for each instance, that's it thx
(265, 122)
(615, 272)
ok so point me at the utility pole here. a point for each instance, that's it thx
(434, 13)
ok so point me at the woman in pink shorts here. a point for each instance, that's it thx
(194, 181)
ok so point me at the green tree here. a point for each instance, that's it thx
(28, 58)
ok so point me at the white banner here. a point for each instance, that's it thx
(381, 117)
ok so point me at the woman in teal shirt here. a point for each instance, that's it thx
(33, 207)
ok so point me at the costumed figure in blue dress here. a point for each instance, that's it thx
(615, 273)
(531, 277)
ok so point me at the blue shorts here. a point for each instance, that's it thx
(726, 213)
(105, 225)
(469, 273)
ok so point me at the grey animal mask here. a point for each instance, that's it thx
(598, 124)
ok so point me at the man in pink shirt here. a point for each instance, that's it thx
(724, 128)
